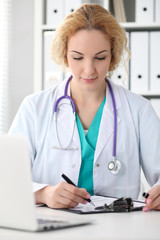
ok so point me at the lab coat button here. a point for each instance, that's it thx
(73, 166)
(97, 165)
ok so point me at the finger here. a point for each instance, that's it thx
(153, 204)
(154, 192)
(58, 201)
(63, 202)
(153, 201)
(66, 194)
(73, 197)
(69, 196)
(81, 192)
(59, 205)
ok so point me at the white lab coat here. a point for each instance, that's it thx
(138, 141)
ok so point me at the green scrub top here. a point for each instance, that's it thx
(88, 146)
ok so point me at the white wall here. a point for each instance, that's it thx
(22, 53)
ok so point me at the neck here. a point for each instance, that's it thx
(86, 95)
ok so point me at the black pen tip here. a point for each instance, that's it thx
(145, 195)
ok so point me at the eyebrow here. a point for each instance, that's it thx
(102, 52)
(83, 54)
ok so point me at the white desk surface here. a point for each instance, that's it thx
(133, 225)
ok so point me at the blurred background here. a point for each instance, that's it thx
(16, 56)
(27, 28)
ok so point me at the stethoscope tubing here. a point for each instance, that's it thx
(65, 96)
(115, 163)
(115, 119)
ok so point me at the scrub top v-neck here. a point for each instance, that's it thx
(88, 146)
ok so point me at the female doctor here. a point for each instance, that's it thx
(115, 132)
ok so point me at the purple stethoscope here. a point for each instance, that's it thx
(114, 165)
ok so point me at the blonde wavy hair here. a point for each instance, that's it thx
(88, 17)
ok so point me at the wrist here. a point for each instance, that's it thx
(40, 195)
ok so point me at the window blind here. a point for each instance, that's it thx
(5, 58)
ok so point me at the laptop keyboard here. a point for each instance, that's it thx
(40, 221)
(49, 224)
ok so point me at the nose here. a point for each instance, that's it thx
(89, 68)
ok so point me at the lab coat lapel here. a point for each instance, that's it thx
(106, 129)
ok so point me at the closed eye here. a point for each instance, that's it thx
(77, 58)
(100, 58)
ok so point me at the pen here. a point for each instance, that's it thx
(70, 182)
(145, 195)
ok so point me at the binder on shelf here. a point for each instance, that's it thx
(156, 105)
(139, 62)
(154, 61)
(157, 11)
(144, 11)
(70, 6)
(52, 73)
(121, 74)
(54, 12)
(119, 10)
(106, 4)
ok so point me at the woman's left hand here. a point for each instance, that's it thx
(153, 200)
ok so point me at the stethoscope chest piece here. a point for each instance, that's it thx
(114, 166)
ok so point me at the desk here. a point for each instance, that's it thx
(133, 225)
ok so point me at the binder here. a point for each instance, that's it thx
(121, 74)
(156, 105)
(119, 10)
(52, 73)
(71, 5)
(157, 11)
(106, 4)
(54, 12)
(144, 11)
(155, 61)
(139, 62)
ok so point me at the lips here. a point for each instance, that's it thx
(89, 80)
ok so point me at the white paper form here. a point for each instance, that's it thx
(100, 201)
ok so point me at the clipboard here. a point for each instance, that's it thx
(100, 202)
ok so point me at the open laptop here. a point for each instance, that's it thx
(17, 205)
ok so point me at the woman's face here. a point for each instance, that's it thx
(89, 56)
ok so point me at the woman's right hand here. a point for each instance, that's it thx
(63, 195)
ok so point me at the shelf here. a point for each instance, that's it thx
(149, 94)
(47, 28)
(140, 26)
(127, 25)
